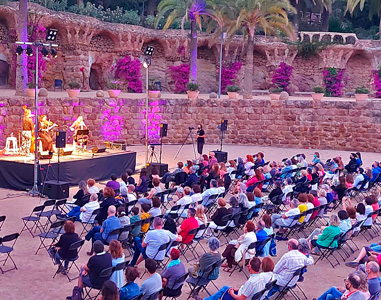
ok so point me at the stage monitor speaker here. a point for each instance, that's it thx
(56, 189)
(66, 151)
(221, 156)
(61, 139)
(163, 129)
(98, 149)
(224, 125)
(161, 168)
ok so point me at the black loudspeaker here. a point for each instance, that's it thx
(98, 149)
(56, 189)
(163, 129)
(224, 125)
(221, 156)
(61, 139)
(162, 168)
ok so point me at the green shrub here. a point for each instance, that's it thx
(361, 90)
(74, 85)
(192, 86)
(318, 90)
(232, 88)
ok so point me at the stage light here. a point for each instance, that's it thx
(53, 52)
(19, 50)
(29, 51)
(44, 51)
(145, 65)
(51, 35)
(149, 50)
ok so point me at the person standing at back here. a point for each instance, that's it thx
(200, 138)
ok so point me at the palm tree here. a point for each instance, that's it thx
(191, 10)
(22, 32)
(374, 8)
(270, 16)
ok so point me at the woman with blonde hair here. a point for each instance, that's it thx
(326, 236)
(201, 218)
(116, 251)
(223, 170)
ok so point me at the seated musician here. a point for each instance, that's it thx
(44, 127)
(79, 139)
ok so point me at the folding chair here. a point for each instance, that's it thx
(4, 249)
(2, 220)
(130, 205)
(221, 229)
(261, 245)
(106, 274)
(188, 245)
(90, 222)
(159, 262)
(113, 232)
(52, 234)
(367, 228)
(124, 238)
(74, 246)
(181, 281)
(47, 213)
(60, 208)
(289, 287)
(35, 219)
(201, 282)
(326, 252)
(198, 238)
(155, 295)
(137, 297)
(244, 261)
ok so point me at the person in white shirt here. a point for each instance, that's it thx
(285, 220)
(91, 188)
(185, 200)
(196, 197)
(131, 196)
(156, 188)
(123, 185)
(88, 209)
(220, 186)
(287, 189)
(210, 192)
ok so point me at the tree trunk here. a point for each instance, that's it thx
(22, 62)
(248, 81)
(325, 20)
(296, 22)
(379, 24)
(193, 52)
(151, 7)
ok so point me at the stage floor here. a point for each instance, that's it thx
(16, 172)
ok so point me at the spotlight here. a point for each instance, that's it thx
(145, 65)
(53, 52)
(149, 50)
(29, 51)
(44, 51)
(51, 35)
(19, 50)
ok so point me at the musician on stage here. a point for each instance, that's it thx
(79, 139)
(200, 139)
(44, 128)
(27, 131)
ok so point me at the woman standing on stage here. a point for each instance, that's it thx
(200, 139)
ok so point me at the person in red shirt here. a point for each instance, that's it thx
(315, 201)
(187, 225)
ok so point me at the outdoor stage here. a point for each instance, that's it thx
(16, 172)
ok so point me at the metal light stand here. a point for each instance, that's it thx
(223, 36)
(34, 191)
(190, 134)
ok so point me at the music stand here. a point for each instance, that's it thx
(82, 132)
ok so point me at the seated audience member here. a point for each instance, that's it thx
(240, 193)
(188, 165)
(155, 210)
(123, 185)
(142, 185)
(287, 189)
(145, 215)
(170, 225)
(286, 220)
(325, 237)
(79, 198)
(135, 217)
(300, 184)
(63, 245)
(85, 213)
(116, 252)
(351, 290)
(240, 167)
(149, 247)
(214, 174)
(109, 291)
(207, 259)
(153, 283)
(258, 177)
(103, 233)
(216, 218)
(269, 230)
(361, 179)
(92, 189)
(351, 214)
(192, 178)
(130, 289)
(172, 273)
(187, 225)
(231, 166)
(257, 199)
(345, 223)
(322, 194)
(156, 188)
(252, 286)
(130, 179)
(212, 161)
(131, 196)
(220, 186)
(168, 177)
(276, 192)
(115, 185)
(316, 159)
(376, 171)
(303, 199)
(237, 248)
(210, 192)
(154, 174)
(197, 196)
(249, 164)
(267, 267)
(201, 218)
(261, 236)
(374, 250)
(124, 221)
(287, 265)
(109, 199)
(286, 171)
(90, 272)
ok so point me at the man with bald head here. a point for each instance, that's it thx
(103, 233)
(290, 262)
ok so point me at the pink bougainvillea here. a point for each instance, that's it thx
(333, 81)
(128, 70)
(377, 82)
(281, 76)
(36, 32)
(229, 74)
(180, 75)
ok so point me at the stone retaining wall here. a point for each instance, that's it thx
(344, 125)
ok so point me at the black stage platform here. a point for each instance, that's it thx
(16, 172)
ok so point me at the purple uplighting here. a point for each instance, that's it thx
(154, 119)
(113, 123)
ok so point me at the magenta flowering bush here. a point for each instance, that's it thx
(333, 82)
(180, 75)
(36, 32)
(229, 74)
(128, 70)
(281, 77)
(377, 82)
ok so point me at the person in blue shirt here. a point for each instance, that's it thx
(376, 172)
(103, 233)
(261, 235)
(130, 289)
(288, 167)
(316, 159)
(240, 168)
(192, 178)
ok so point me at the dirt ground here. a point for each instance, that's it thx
(33, 279)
